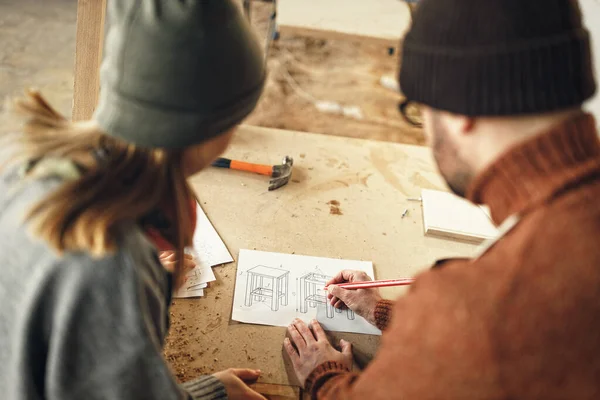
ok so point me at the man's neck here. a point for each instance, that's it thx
(498, 135)
(534, 170)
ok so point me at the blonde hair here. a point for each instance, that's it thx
(126, 184)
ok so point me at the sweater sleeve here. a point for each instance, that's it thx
(107, 323)
(383, 314)
(438, 349)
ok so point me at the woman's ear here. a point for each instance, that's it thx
(198, 157)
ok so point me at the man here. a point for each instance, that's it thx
(501, 83)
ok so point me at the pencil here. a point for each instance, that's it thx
(375, 284)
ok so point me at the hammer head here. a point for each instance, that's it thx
(281, 173)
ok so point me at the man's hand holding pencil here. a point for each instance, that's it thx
(361, 301)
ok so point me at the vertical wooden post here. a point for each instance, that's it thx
(88, 56)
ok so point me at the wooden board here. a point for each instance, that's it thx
(88, 56)
(452, 217)
(591, 17)
(370, 180)
(277, 392)
(380, 21)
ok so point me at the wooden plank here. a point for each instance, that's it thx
(379, 21)
(449, 216)
(277, 392)
(371, 180)
(88, 56)
(591, 15)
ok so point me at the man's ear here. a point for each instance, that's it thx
(459, 124)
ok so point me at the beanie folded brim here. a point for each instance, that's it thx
(156, 126)
(533, 76)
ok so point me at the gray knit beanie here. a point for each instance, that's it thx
(177, 73)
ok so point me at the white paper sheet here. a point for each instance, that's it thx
(298, 282)
(209, 251)
(208, 244)
(184, 293)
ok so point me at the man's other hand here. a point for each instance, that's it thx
(308, 348)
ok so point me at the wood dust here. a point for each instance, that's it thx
(339, 71)
(334, 208)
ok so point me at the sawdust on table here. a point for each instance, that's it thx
(334, 208)
(40, 44)
(178, 351)
(302, 70)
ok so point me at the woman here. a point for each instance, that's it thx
(84, 207)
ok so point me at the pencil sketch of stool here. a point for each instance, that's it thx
(312, 292)
(275, 287)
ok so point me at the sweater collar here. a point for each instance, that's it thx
(537, 169)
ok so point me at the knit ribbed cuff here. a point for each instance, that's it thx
(206, 388)
(383, 313)
(321, 374)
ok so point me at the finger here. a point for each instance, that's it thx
(245, 374)
(340, 305)
(332, 299)
(318, 331)
(341, 277)
(362, 276)
(170, 257)
(188, 265)
(168, 265)
(341, 294)
(165, 254)
(347, 352)
(346, 348)
(304, 331)
(189, 257)
(291, 351)
(298, 340)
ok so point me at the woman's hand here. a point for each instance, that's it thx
(169, 260)
(361, 301)
(309, 349)
(236, 381)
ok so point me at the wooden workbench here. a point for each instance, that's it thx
(370, 180)
(378, 21)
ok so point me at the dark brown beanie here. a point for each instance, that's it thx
(497, 57)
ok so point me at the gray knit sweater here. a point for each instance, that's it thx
(80, 328)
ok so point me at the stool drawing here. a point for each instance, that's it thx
(312, 292)
(270, 283)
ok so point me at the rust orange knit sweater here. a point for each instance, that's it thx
(522, 321)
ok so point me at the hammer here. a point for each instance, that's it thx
(280, 173)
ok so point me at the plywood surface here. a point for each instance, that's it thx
(383, 21)
(370, 180)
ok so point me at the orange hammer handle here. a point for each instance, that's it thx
(249, 167)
